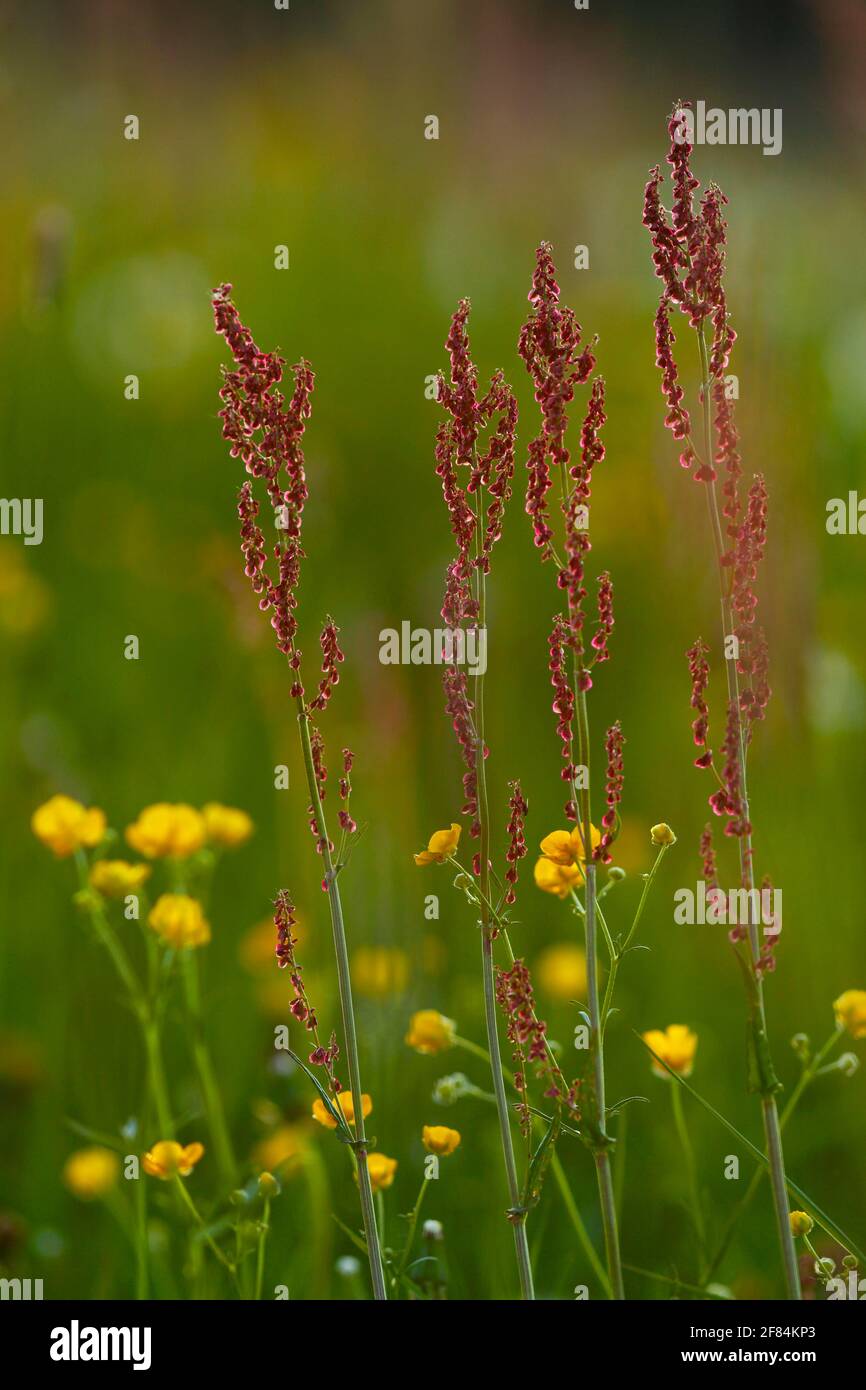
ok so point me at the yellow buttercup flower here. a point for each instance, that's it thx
(662, 835)
(168, 1159)
(560, 971)
(850, 1010)
(439, 846)
(64, 825)
(165, 829)
(439, 1139)
(557, 878)
(381, 1170)
(676, 1046)
(282, 1150)
(801, 1223)
(565, 847)
(179, 921)
(226, 826)
(90, 1173)
(431, 1032)
(114, 878)
(346, 1104)
(378, 971)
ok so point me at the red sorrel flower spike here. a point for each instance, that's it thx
(699, 670)
(708, 856)
(331, 658)
(457, 446)
(677, 419)
(459, 708)
(266, 433)
(317, 746)
(605, 618)
(728, 800)
(549, 344)
(527, 1034)
(516, 837)
(345, 790)
(253, 544)
(614, 781)
(563, 706)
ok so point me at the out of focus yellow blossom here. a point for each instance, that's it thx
(114, 878)
(165, 830)
(677, 1046)
(179, 921)
(439, 1139)
(560, 971)
(378, 971)
(346, 1104)
(565, 847)
(558, 879)
(90, 1173)
(24, 599)
(168, 1159)
(381, 1169)
(281, 1151)
(225, 825)
(64, 825)
(441, 844)
(850, 1011)
(431, 1032)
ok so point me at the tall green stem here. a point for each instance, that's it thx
(691, 1175)
(204, 1067)
(601, 1154)
(769, 1110)
(517, 1212)
(347, 1009)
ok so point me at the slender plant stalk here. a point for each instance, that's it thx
(413, 1226)
(260, 1251)
(769, 1110)
(204, 1067)
(691, 1176)
(344, 983)
(142, 1008)
(517, 1213)
(601, 1153)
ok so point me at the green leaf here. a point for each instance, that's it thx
(336, 1114)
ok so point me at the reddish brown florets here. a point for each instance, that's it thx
(527, 1034)
(614, 782)
(459, 708)
(518, 807)
(699, 671)
(563, 706)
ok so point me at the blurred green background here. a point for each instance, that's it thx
(306, 128)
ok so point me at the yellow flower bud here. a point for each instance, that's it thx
(663, 835)
(801, 1223)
